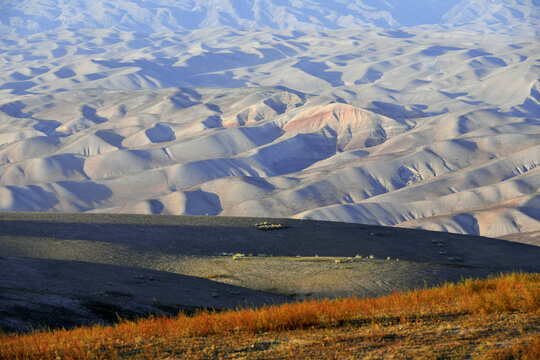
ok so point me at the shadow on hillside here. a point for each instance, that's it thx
(216, 236)
(39, 293)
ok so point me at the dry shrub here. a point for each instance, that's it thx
(528, 349)
(516, 292)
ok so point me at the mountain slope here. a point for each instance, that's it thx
(431, 126)
(268, 152)
(30, 16)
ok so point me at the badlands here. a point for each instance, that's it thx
(431, 126)
(423, 116)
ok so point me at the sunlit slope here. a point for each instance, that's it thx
(420, 70)
(454, 320)
(418, 127)
(268, 152)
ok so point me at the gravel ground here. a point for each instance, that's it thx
(60, 269)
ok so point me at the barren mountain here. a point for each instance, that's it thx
(146, 107)
(30, 16)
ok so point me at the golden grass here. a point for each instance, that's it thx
(528, 349)
(506, 302)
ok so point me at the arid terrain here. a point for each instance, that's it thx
(380, 114)
(202, 156)
(496, 318)
(62, 269)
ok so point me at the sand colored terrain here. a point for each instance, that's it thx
(269, 152)
(414, 127)
(433, 125)
(505, 16)
(69, 269)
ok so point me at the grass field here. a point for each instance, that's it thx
(495, 318)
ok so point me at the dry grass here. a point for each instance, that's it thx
(494, 318)
(526, 349)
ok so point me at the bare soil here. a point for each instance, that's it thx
(59, 269)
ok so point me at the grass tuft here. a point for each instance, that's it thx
(528, 349)
(158, 336)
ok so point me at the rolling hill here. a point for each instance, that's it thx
(361, 111)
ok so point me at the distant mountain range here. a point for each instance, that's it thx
(411, 113)
(32, 16)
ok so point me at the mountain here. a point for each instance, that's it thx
(424, 116)
(31, 16)
(268, 152)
